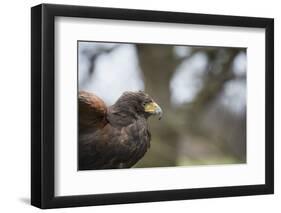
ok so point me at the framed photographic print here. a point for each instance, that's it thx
(140, 106)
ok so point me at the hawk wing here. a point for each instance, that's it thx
(92, 112)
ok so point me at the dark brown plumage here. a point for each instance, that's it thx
(116, 136)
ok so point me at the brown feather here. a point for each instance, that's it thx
(92, 111)
(112, 137)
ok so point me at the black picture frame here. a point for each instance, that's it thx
(43, 102)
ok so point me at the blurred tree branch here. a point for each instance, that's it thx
(92, 55)
(219, 72)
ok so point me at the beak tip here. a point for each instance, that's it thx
(159, 113)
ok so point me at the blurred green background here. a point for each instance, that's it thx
(202, 91)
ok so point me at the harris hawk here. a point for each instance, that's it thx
(116, 136)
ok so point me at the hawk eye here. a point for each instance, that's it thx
(144, 103)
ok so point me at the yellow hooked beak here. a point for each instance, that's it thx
(154, 109)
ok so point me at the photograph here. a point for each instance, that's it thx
(143, 105)
(138, 105)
